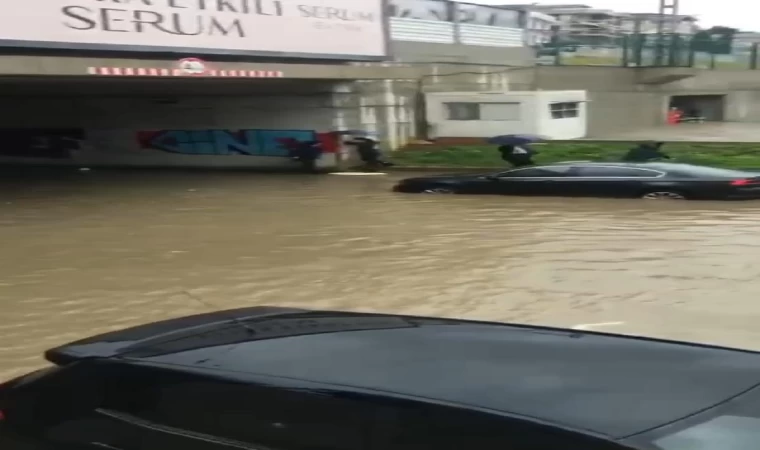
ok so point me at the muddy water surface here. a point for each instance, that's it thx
(84, 253)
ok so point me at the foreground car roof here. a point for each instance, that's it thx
(603, 383)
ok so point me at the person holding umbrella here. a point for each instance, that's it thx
(308, 153)
(368, 150)
(515, 148)
(304, 152)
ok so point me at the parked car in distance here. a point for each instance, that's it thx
(652, 180)
(282, 379)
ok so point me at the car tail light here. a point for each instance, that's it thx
(743, 182)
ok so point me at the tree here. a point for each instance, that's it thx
(715, 40)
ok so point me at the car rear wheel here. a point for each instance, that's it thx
(663, 195)
(439, 190)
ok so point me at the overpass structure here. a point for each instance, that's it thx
(179, 84)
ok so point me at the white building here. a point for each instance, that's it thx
(583, 24)
(594, 26)
(650, 23)
(554, 114)
(538, 27)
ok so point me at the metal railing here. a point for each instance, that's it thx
(651, 50)
(451, 22)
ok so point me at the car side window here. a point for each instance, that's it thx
(616, 172)
(537, 172)
(278, 418)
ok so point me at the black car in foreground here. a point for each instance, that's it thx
(654, 180)
(289, 379)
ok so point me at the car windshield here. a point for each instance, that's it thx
(731, 426)
(720, 433)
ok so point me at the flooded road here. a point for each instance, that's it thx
(89, 252)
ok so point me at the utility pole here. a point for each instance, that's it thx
(667, 23)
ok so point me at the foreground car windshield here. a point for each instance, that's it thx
(720, 433)
(733, 426)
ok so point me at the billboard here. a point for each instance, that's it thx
(335, 29)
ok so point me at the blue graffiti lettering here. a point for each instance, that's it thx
(248, 142)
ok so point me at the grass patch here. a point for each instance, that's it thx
(743, 155)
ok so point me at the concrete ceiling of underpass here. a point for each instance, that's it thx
(94, 86)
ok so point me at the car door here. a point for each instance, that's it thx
(610, 181)
(168, 409)
(262, 417)
(114, 412)
(531, 181)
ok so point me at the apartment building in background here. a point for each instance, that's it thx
(585, 25)
(538, 26)
(649, 23)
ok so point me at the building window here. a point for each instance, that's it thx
(492, 111)
(463, 111)
(565, 110)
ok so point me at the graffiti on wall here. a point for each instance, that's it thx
(221, 142)
(47, 143)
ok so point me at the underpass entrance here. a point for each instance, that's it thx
(700, 108)
(163, 122)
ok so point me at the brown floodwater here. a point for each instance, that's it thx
(89, 252)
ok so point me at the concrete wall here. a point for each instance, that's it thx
(709, 81)
(237, 131)
(615, 102)
(742, 106)
(611, 112)
(619, 103)
(532, 116)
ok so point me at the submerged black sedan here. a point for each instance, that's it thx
(289, 379)
(654, 180)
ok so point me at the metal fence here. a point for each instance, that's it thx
(650, 50)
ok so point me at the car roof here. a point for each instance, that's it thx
(656, 165)
(611, 385)
(642, 165)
